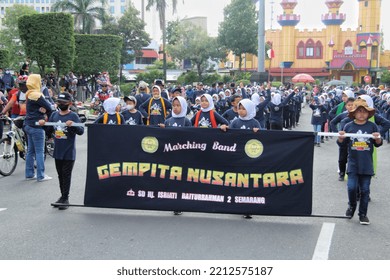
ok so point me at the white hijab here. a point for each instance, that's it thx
(210, 100)
(183, 105)
(276, 99)
(110, 105)
(250, 108)
(255, 98)
(159, 90)
(368, 99)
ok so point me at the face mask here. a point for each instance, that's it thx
(63, 107)
(129, 107)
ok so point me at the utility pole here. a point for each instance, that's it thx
(261, 46)
(143, 10)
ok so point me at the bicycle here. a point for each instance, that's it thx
(13, 144)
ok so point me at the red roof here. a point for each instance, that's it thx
(149, 53)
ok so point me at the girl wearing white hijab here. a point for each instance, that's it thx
(207, 117)
(111, 116)
(276, 110)
(156, 108)
(179, 112)
(246, 116)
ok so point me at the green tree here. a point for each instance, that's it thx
(85, 12)
(173, 31)
(149, 76)
(160, 6)
(158, 65)
(4, 58)
(238, 32)
(385, 78)
(9, 35)
(48, 39)
(194, 44)
(132, 30)
(96, 53)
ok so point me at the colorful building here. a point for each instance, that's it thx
(330, 53)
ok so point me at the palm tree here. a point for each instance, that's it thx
(160, 8)
(85, 12)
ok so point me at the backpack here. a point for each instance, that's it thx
(118, 118)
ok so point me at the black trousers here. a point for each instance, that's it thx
(64, 171)
(343, 159)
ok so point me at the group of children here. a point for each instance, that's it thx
(351, 115)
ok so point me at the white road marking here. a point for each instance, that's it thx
(321, 251)
(3, 209)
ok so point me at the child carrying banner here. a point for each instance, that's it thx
(360, 160)
(207, 117)
(156, 108)
(131, 115)
(179, 112)
(64, 145)
(111, 116)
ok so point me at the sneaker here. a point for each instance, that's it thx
(46, 178)
(364, 220)
(65, 204)
(59, 201)
(341, 177)
(177, 213)
(31, 178)
(350, 212)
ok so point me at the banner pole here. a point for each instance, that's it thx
(61, 124)
(354, 135)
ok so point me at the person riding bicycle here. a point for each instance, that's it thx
(17, 101)
(101, 95)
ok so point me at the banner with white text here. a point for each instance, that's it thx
(200, 170)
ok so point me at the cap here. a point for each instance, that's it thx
(159, 82)
(362, 91)
(143, 84)
(177, 90)
(130, 98)
(64, 96)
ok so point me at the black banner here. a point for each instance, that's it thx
(200, 170)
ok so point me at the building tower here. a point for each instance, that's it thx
(333, 20)
(288, 21)
(369, 33)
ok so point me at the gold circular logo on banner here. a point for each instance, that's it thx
(149, 144)
(254, 148)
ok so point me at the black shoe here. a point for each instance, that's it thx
(177, 213)
(364, 220)
(322, 141)
(65, 205)
(350, 212)
(59, 201)
(341, 178)
(248, 217)
(318, 145)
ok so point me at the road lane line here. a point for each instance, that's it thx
(321, 251)
(3, 209)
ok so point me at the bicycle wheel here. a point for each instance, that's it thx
(49, 146)
(8, 157)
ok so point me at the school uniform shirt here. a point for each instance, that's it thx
(132, 118)
(177, 122)
(230, 115)
(276, 108)
(245, 124)
(380, 121)
(317, 117)
(64, 137)
(337, 120)
(112, 119)
(205, 121)
(360, 149)
(157, 114)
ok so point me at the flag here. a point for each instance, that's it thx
(271, 53)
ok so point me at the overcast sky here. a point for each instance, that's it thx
(310, 11)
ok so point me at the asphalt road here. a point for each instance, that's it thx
(31, 229)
